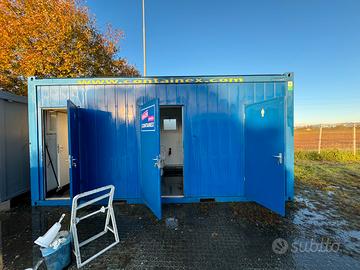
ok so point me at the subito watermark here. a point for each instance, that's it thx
(281, 246)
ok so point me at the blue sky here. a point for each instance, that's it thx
(318, 40)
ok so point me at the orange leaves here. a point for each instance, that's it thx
(54, 38)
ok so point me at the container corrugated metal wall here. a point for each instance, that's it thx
(14, 148)
(213, 130)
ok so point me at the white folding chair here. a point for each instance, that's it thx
(106, 192)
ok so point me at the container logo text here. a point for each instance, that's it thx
(163, 80)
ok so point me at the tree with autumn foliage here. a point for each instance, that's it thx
(54, 38)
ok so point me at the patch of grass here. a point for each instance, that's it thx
(330, 182)
(326, 174)
(310, 174)
(336, 185)
(328, 155)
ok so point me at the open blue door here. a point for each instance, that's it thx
(150, 156)
(74, 146)
(264, 154)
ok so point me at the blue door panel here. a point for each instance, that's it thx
(150, 151)
(264, 143)
(74, 143)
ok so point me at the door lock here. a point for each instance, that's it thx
(279, 157)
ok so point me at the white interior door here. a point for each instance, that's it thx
(62, 149)
(51, 151)
(51, 161)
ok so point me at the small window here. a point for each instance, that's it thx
(169, 124)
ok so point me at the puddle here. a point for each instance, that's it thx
(171, 223)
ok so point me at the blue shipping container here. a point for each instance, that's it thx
(163, 139)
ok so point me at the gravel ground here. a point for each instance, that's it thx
(317, 233)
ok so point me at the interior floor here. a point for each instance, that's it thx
(61, 193)
(172, 182)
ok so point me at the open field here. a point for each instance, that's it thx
(337, 137)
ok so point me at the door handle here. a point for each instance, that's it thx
(157, 162)
(72, 162)
(279, 157)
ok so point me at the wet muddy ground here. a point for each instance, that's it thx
(320, 231)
